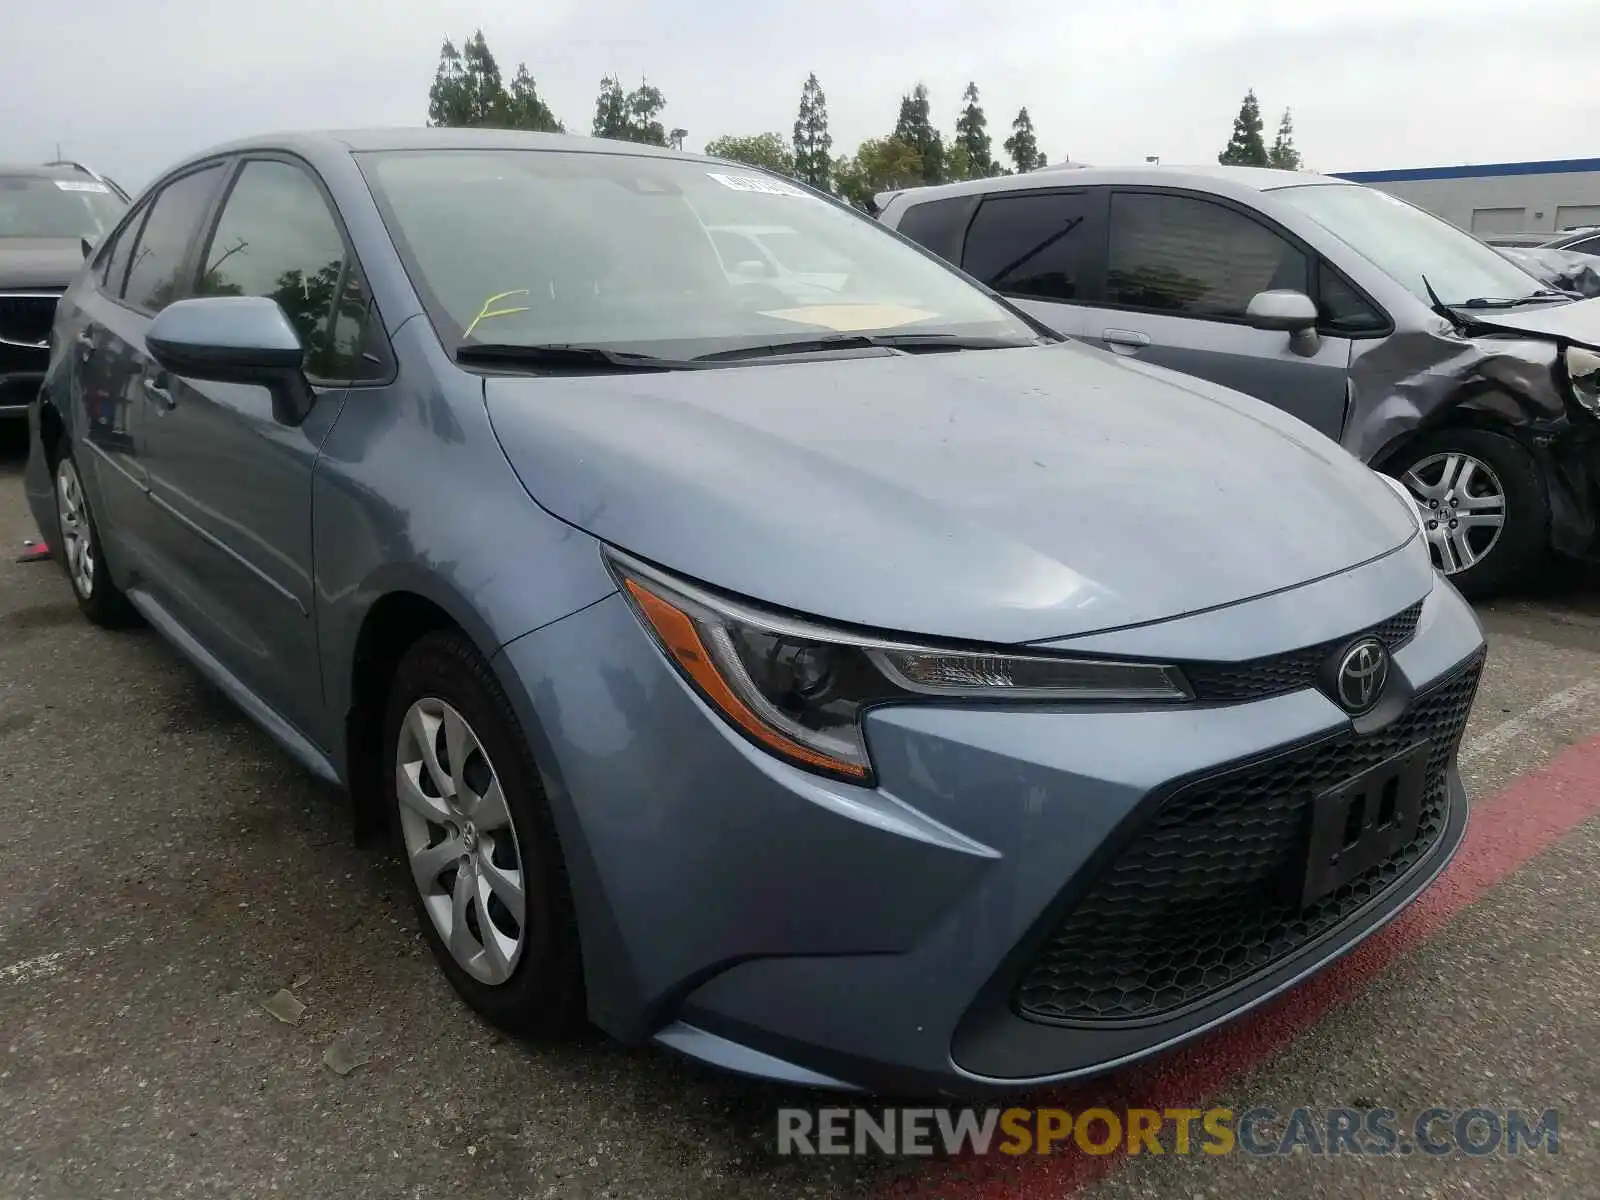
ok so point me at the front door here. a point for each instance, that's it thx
(1180, 272)
(230, 485)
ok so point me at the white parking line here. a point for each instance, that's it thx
(1507, 733)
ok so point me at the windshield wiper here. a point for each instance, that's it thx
(1538, 297)
(564, 354)
(911, 343)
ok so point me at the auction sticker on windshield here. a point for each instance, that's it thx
(756, 183)
(78, 185)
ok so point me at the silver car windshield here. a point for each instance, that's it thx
(1410, 245)
(35, 207)
(664, 256)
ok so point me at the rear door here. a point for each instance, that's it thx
(1040, 250)
(1180, 270)
(139, 272)
(230, 485)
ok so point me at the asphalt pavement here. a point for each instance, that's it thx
(166, 870)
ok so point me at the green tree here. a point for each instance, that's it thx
(524, 108)
(812, 142)
(915, 129)
(767, 150)
(630, 116)
(1245, 148)
(878, 165)
(1283, 154)
(448, 102)
(972, 153)
(485, 93)
(1023, 144)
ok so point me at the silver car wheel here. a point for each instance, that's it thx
(459, 840)
(1463, 505)
(77, 543)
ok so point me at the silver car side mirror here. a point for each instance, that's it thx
(1286, 311)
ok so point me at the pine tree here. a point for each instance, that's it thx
(1246, 149)
(812, 142)
(448, 104)
(972, 136)
(1283, 154)
(524, 108)
(485, 93)
(915, 129)
(630, 116)
(1023, 145)
(611, 110)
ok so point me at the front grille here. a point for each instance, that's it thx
(25, 319)
(1197, 902)
(1258, 678)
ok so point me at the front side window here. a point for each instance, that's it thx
(1194, 258)
(277, 238)
(155, 271)
(34, 206)
(526, 247)
(1341, 308)
(1414, 248)
(1030, 244)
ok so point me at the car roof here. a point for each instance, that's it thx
(1235, 181)
(316, 143)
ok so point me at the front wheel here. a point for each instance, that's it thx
(78, 550)
(487, 873)
(1483, 501)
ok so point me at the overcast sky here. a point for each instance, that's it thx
(129, 87)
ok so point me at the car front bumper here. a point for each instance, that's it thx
(895, 938)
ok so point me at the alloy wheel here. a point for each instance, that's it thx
(77, 541)
(459, 841)
(1463, 506)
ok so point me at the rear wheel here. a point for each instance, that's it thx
(78, 550)
(1483, 501)
(488, 879)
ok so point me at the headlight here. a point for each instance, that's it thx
(1583, 373)
(800, 690)
(1409, 501)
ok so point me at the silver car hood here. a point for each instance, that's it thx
(994, 496)
(1577, 322)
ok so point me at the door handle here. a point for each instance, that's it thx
(158, 393)
(1125, 341)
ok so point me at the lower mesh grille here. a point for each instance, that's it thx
(1196, 903)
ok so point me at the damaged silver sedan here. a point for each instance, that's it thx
(1424, 352)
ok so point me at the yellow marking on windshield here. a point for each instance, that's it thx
(850, 318)
(486, 314)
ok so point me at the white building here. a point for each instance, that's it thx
(1530, 197)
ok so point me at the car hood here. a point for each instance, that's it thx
(51, 263)
(1577, 322)
(997, 496)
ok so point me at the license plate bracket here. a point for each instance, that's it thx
(1364, 820)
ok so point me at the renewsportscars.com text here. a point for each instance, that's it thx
(1255, 1131)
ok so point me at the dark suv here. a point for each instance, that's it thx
(49, 216)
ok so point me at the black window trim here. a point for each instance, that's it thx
(1313, 259)
(148, 203)
(131, 225)
(1096, 234)
(380, 352)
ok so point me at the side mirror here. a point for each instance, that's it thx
(235, 339)
(1284, 311)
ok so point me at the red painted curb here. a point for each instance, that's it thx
(1506, 830)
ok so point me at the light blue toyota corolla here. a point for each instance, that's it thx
(760, 639)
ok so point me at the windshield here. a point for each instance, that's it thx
(1408, 244)
(32, 207)
(528, 247)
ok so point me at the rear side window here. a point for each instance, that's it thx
(1032, 244)
(936, 224)
(1587, 246)
(1192, 257)
(276, 237)
(156, 270)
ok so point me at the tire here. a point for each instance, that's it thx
(1453, 473)
(535, 989)
(78, 550)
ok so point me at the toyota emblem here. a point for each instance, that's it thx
(1362, 672)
